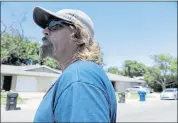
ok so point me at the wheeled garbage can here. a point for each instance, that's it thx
(11, 101)
(142, 95)
(121, 97)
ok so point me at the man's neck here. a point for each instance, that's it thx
(68, 62)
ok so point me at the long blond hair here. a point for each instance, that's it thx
(89, 48)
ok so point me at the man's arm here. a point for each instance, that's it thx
(82, 102)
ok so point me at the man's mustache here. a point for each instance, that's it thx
(45, 39)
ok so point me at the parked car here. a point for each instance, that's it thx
(135, 89)
(169, 93)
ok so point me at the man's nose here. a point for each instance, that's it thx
(46, 31)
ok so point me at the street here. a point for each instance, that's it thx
(152, 111)
(149, 111)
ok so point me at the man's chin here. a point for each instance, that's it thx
(43, 56)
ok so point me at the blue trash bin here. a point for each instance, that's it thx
(142, 95)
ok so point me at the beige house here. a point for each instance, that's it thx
(33, 78)
(121, 83)
(36, 78)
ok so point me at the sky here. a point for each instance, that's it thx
(124, 30)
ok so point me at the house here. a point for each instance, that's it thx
(36, 78)
(32, 78)
(121, 83)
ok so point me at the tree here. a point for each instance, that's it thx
(133, 68)
(12, 39)
(13, 48)
(10, 46)
(16, 49)
(151, 75)
(114, 70)
(50, 62)
(163, 72)
(4, 26)
(26, 53)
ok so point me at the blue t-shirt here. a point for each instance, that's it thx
(83, 93)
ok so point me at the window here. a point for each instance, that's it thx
(135, 87)
(169, 90)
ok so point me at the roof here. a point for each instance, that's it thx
(114, 77)
(42, 66)
(25, 70)
(171, 89)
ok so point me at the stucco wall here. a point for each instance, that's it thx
(2, 80)
(14, 81)
(26, 84)
(43, 83)
(121, 86)
(31, 83)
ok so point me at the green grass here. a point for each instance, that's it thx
(117, 95)
(4, 99)
(133, 96)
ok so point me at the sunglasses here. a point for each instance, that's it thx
(58, 24)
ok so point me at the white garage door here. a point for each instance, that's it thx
(26, 83)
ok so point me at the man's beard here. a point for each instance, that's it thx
(47, 49)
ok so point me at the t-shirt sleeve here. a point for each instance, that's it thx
(82, 102)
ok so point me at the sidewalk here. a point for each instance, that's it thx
(31, 104)
(31, 100)
(31, 95)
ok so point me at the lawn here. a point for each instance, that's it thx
(4, 98)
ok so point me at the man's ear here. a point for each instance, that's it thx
(81, 45)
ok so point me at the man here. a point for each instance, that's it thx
(83, 92)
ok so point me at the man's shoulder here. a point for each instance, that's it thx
(82, 71)
(82, 66)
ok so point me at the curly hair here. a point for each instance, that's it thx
(88, 49)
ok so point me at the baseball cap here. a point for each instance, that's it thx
(41, 17)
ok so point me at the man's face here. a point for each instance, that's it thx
(57, 41)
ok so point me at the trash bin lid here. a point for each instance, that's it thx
(12, 94)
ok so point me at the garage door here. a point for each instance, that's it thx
(26, 83)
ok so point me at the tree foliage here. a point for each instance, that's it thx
(19, 51)
(114, 70)
(161, 75)
(164, 72)
(133, 68)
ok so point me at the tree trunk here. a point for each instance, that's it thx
(163, 86)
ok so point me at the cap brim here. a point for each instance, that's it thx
(41, 16)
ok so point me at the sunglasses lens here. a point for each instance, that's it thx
(54, 25)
